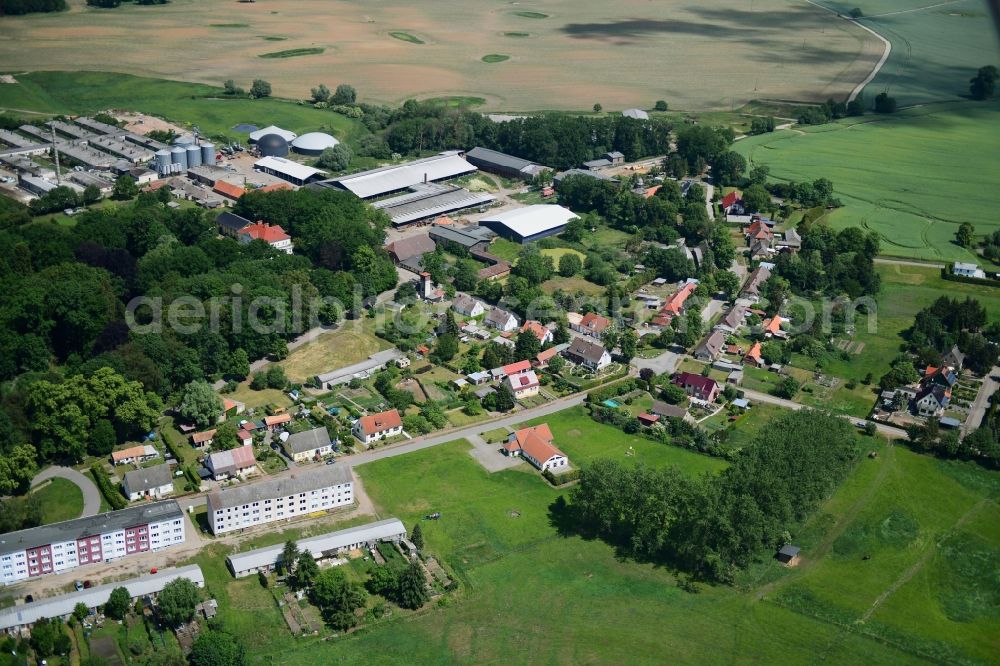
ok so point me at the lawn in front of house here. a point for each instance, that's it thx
(60, 500)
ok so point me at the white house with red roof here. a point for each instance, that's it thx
(535, 445)
(273, 235)
(524, 384)
(591, 324)
(378, 426)
(541, 332)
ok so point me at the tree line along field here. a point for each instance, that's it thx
(913, 177)
(564, 54)
(530, 594)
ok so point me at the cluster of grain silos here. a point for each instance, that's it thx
(182, 157)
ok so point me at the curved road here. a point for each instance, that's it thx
(91, 496)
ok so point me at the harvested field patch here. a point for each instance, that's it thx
(407, 37)
(293, 53)
(495, 57)
(578, 54)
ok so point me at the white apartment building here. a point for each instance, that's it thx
(102, 538)
(299, 494)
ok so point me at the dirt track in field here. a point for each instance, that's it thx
(713, 55)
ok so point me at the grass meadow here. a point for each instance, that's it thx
(532, 595)
(60, 500)
(331, 351)
(913, 177)
(936, 46)
(184, 103)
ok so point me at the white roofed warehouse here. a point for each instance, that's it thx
(293, 172)
(531, 223)
(390, 179)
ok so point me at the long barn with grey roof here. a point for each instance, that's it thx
(503, 164)
(25, 615)
(390, 179)
(320, 547)
(277, 499)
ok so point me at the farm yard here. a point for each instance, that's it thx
(887, 189)
(574, 54)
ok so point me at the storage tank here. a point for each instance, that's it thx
(272, 145)
(193, 156)
(163, 161)
(178, 156)
(208, 154)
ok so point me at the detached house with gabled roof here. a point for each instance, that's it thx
(501, 320)
(591, 355)
(696, 386)
(710, 348)
(378, 426)
(543, 334)
(309, 445)
(524, 384)
(932, 400)
(468, 306)
(273, 235)
(535, 445)
(591, 324)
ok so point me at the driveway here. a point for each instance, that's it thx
(712, 308)
(978, 409)
(664, 363)
(91, 496)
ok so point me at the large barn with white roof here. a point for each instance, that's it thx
(531, 223)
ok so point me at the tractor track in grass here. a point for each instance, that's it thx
(887, 459)
(924, 558)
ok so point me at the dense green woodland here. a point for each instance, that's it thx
(560, 141)
(716, 525)
(84, 381)
(16, 7)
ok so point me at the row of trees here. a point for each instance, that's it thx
(560, 141)
(714, 526)
(62, 197)
(18, 7)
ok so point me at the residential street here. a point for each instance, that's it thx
(978, 408)
(91, 496)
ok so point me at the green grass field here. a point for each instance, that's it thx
(60, 499)
(333, 350)
(936, 46)
(905, 291)
(292, 53)
(584, 440)
(532, 595)
(912, 177)
(184, 103)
